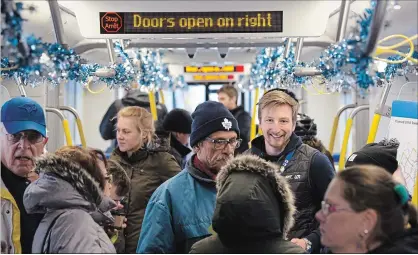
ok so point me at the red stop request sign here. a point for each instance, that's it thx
(111, 22)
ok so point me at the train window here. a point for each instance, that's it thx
(192, 97)
(213, 95)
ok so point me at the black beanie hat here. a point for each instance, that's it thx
(178, 120)
(382, 154)
(210, 117)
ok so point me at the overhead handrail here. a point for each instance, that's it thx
(78, 121)
(381, 110)
(347, 134)
(335, 126)
(65, 124)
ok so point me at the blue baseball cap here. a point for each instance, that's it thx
(22, 113)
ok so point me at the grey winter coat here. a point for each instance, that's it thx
(67, 190)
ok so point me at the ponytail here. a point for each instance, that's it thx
(411, 215)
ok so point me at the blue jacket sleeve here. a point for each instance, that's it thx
(157, 233)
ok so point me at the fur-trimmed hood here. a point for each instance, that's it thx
(254, 202)
(62, 184)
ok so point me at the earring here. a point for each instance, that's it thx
(362, 235)
(365, 232)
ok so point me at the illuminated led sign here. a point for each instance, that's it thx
(212, 77)
(191, 22)
(214, 69)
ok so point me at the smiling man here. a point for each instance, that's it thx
(308, 171)
(180, 211)
(22, 138)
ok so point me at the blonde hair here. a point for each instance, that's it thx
(143, 122)
(275, 98)
(229, 90)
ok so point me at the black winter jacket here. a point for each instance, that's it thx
(254, 210)
(244, 123)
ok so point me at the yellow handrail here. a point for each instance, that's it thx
(162, 99)
(253, 133)
(343, 152)
(373, 128)
(335, 126)
(153, 105)
(79, 124)
(347, 131)
(415, 194)
(333, 134)
(67, 133)
(64, 122)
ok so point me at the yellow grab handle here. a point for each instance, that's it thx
(415, 195)
(373, 128)
(333, 134)
(81, 132)
(162, 99)
(343, 152)
(151, 96)
(252, 133)
(67, 133)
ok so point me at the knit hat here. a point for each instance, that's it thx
(382, 154)
(210, 117)
(178, 120)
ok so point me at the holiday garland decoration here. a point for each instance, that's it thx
(343, 65)
(35, 61)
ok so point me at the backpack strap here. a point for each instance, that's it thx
(48, 235)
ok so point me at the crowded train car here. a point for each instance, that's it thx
(209, 126)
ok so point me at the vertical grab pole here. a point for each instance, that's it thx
(64, 122)
(347, 134)
(53, 95)
(335, 126)
(151, 96)
(342, 21)
(252, 133)
(381, 110)
(415, 193)
(79, 124)
(161, 93)
(20, 85)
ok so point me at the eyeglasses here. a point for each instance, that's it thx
(220, 144)
(328, 208)
(32, 136)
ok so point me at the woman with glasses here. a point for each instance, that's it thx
(364, 211)
(69, 189)
(145, 160)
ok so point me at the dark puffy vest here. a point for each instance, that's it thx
(297, 174)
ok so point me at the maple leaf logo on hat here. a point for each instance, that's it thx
(227, 124)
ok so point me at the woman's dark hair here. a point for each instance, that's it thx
(87, 159)
(119, 178)
(372, 187)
